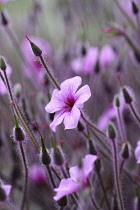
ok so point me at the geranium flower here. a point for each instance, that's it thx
(78, 178)
(67, 102)
(137, 152)
(37, 174)
(3, 88)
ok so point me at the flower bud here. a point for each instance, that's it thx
(97, 67)
(63, 201)
(58, 156)
(126, 150)
(135, 8)
(19, 134)
(46, 160)
(80, 126)
(111, 131)
(17, 90)
(117, 101)
(92, 149)
(4, 19)
(2, 64)
(83, 50)
(2, 194)
(98, 165)
(36, 50)
(128, 99)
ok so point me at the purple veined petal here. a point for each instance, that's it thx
(76, 174)
(88, 166)
(7, 189)
(66, 187)
(58, 118)
(56, 103)
(137, 152)
(69, 86)
(82, 95)
(71, 118)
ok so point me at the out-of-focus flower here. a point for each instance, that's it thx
(37, 174)
(33, 68)
(86, 63)
(3, 88)
(107, 56)
(107, 116)
(137, 152)
(67, 102)
(78, 178)
(3, 1)
(4, 191)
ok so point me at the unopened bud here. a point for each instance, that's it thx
(36, 50)
(63, 201)
(128, 99)
(2, 194)
(83, 50)
(92, 149)
(58, 156)
(19, 134)
(17, 90)
(80, 126)
(2, 64)
(46, 160)
(111, 131)
(117, 101)
(97, 67)
(98, 165)
(4, 19)
(135, 8)
(126, 150)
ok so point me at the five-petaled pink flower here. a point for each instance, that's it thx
(78, 178)
(67, 102)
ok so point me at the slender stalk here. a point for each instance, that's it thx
(49, 73)
(91, 124)
(24, 199)
(18, 113)
(134, 112)
(121, 126)
(103, 189)
(94, 203)
(50, 175)
(118, 187)
(121, 166)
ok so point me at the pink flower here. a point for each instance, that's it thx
(3, 88)
(33, 68)
(85, 64)
(67, 102)
(137, 152)
(107, 56)
(37, 174)
(78, 178)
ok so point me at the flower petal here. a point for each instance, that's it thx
(69, 86)
(56, 103)
(137, 152)
(76, 174)
(82, 95)
(88, 162)
(71, 118)
(7, 189)
(58, 118)
(67, 186)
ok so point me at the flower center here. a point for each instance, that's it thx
(70, 102)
